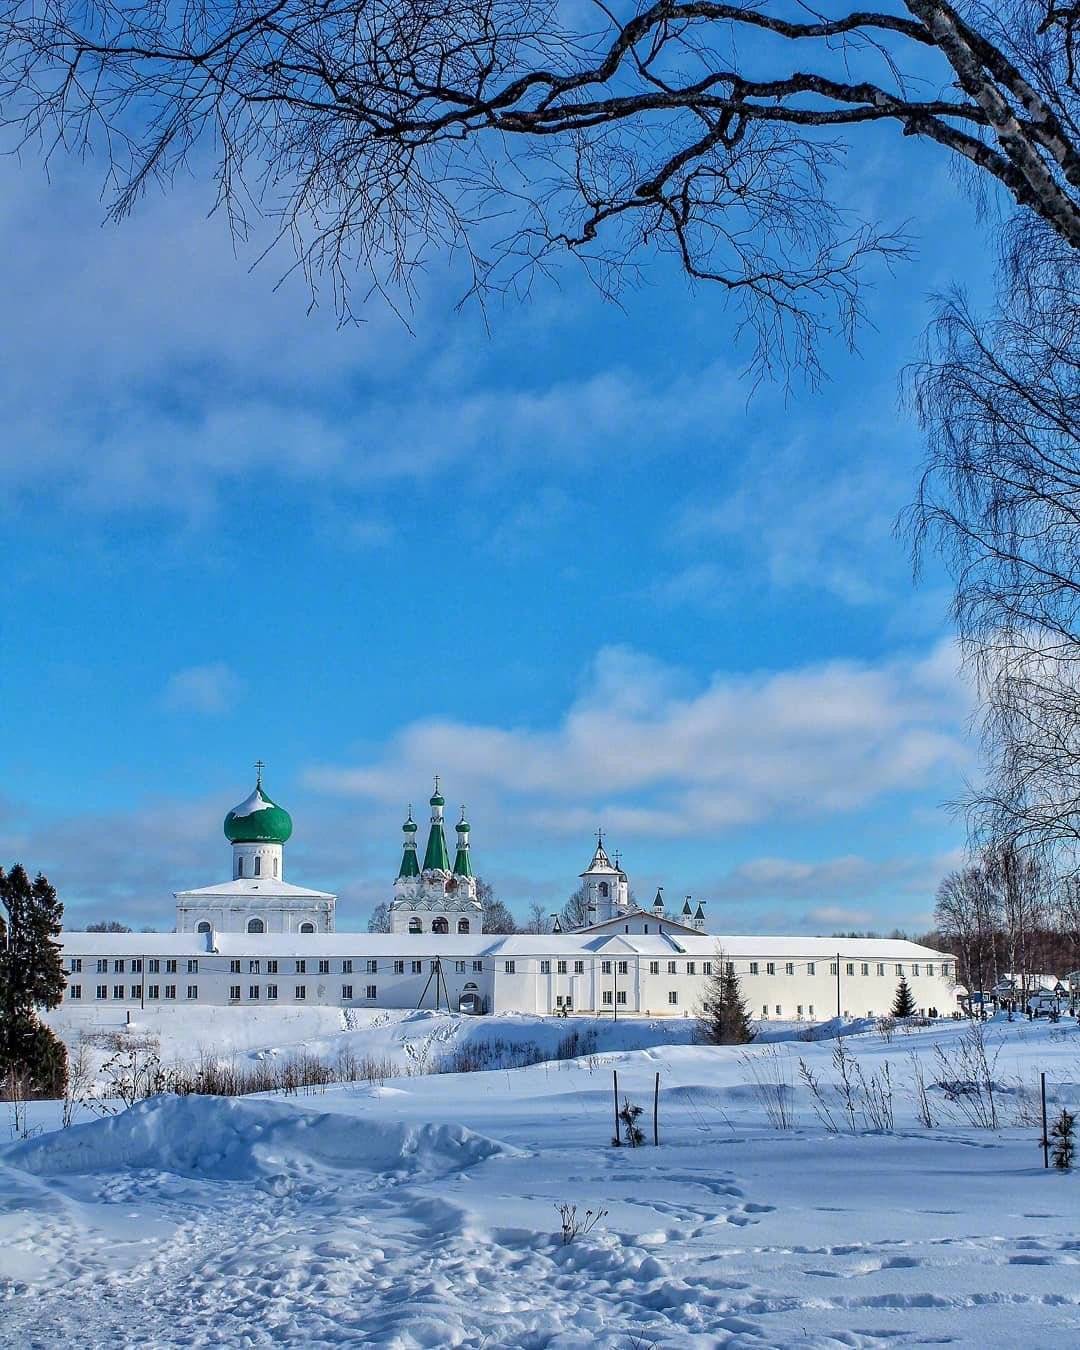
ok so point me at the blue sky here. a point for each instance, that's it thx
(567, 557)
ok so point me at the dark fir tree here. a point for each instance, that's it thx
(904, 1002)
(1062, 1140)
(723, 1017)
(32, 1060)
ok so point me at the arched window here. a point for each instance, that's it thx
(256, 926)
(307, 928)
(240, 867)
(258, 866)
(275, 867)
(463, 925)
(604, 889)
(440, 925)
(415, 926)
(202, 927)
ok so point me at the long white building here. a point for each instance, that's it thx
(257, 940)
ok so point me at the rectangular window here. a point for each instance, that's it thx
(690, 970)
(579, 967)
(833, 968)
(654, 967)
(753, 967)
(170, 991)
(764, 1010)
(346, 993)
(798, 1011)
(624, 968)
(234, 969)
(779, 1011)
(372, 992)
(399, 967)
(560, 969)
(881, 968)
(545, 967)
(459, 967)
(155, 966)
(103, 991)
(478, 967)
(271, 967)
(673, 996)
(118, 991)
(193, 967)
(929, 967)
(75, 965)
(253, 967)
(607, 996)
(152, 991)
(810, 1010)
(75, 991)
(605, 967)
(136, 966)
(301, 991)
(258, 866)
(118, 967)
(271, 992)
(946, 970)
(417, 967)
(811, 967)
(170, 967)
(193, 991)
(770, 967)
(253, 992)
(671, 967)
(509, 967)
(865, 968)
(324, 967)
(789, 968)
(301, 967)
(915, 969)
(102, 967)
(851, 968)
(234, 993)
(620, 997)
(899, 968)
(136, 991)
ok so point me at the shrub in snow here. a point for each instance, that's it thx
(966, 1077)
(575, 1224)
(1062, 1142)
(770, 1073)
(628, 1122)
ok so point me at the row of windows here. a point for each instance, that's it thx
(153, 991)
(256, 870)
(253, 926)
(300, 992)
(261, 965)
(134, 965)
(439, 925)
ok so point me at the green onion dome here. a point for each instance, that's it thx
(258, 821)
(410, 825)
(437, 800)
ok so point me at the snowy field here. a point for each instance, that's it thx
(421, 1212)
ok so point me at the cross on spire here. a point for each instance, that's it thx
(259, 766)
(436, 785)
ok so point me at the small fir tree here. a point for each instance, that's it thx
(1062, 1140)
(723, 1017)
(32, 1059)
(904, 1002)
(629, 1115)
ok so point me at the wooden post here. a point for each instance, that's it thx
(615, 1088)
(656, 1112)
(1046, 1137)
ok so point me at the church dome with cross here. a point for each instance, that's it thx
(257, 819)
(434, 896)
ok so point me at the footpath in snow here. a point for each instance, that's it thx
(422, 1211)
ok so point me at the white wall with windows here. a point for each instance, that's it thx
(784, 979)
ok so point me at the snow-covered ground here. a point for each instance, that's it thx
(421, 1212)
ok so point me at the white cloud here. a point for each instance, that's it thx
(210, 689)
(645, 751)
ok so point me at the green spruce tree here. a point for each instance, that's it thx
(33, 1060)
(904, 1002)
(723, 1017)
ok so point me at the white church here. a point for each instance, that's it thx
(259, 940)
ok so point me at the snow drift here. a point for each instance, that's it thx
(236, 1139)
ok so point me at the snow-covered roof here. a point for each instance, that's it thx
(451, 946)
(649, 915)
(259, 887)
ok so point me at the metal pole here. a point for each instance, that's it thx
(615, 1087)
(839, 1005)
(1045, 1138)
(615, 988)
(656, 1112)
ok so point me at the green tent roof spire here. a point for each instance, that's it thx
(463, 862)
(436, 856)
(409, 866)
